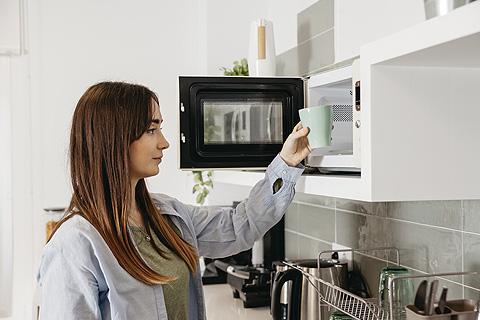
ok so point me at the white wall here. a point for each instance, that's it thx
(22, 189)
(17, 163)
(6, 217)
(147, 42)
(227, 26)
(224, 194)
(73, 46)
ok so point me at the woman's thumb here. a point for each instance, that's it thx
(302, 132)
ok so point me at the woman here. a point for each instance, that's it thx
(122, 253)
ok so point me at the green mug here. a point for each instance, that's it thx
(319, 120)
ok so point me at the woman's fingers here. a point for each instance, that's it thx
(303, 132)
(297, 127)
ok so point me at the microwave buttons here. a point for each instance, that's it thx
(357, 124)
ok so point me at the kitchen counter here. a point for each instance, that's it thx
(221, 305)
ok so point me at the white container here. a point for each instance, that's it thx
(435, 8)
(261, 53)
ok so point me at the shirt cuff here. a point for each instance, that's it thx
(282, 170)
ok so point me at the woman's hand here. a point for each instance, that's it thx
(296, 147)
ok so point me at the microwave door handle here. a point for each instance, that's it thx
(234, 125)
(269, 127)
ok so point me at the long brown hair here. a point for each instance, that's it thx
(108, 118)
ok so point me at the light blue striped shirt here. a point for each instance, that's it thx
(80, 278)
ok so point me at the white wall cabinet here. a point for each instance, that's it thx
(13, 27)
(357, 23)
(420, 109)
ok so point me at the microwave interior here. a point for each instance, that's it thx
(236, 122)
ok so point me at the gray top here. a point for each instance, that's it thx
(80, 278)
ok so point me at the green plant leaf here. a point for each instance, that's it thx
(200, 199)
(240, 68)
(197, 178)
(205, 192)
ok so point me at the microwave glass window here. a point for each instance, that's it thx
(242, 122)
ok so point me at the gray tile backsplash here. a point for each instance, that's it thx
(291, 245)
(315, 42)
(471, 221)
(291, 217)
(471, 257)
(360, 230)
(314, 199)
(310, 248)
(432, 236)
(437, 213)
(373, 208)
(307, 56)
(471, 294)
(425, 248)
(314, 20)
(317, 222)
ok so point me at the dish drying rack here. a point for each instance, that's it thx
(354, 306)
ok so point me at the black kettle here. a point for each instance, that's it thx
(291, 310)
(302, 302)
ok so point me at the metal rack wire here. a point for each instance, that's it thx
(342, 300)
(375, 312)
(349, 303)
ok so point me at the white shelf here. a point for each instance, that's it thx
(451, 40)
(419, 117)
(332, 186)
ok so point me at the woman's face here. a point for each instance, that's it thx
(145, 154)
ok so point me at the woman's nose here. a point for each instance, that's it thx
(163, 143)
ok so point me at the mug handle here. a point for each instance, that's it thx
(382, 287)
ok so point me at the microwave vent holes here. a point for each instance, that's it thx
(342, 113)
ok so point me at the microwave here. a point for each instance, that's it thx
(229, 122)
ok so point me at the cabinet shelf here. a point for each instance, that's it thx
(332, 186)
(452, 40)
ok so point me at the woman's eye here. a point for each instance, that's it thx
(151, 131)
